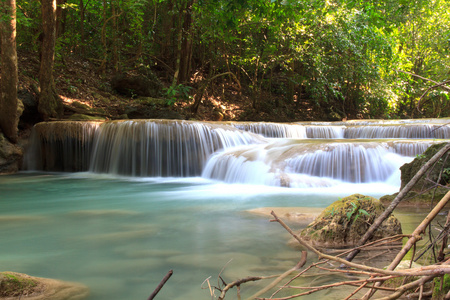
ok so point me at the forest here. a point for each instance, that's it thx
(254, 60)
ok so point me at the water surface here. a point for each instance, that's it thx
(120, 236)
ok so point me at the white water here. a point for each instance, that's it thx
(288, 155)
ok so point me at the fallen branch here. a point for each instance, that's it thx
(422, 271)
(300, 264)
(160, 285)
(415, 236)
(388, 211)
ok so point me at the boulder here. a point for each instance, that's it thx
(345, 221)
(21, 286)
(136, 85)
(419, 194)
(409, 170)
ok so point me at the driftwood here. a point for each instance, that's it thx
(160, 285)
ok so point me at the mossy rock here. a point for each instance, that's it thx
(21, 286)
(409, 170)
(80, 105)
(416, 199)
(345, 221)
(419, 194)
(14, 285)
(83, 117)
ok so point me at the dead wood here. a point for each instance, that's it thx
(397, 200)
(160, 285)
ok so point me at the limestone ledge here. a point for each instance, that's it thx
(302, 215)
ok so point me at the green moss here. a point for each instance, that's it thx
(439, 292)
(85, 117)
(12, 285)
(80, 105)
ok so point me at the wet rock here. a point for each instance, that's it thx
(345, 221)
(409, 170)
(419, 194)
(10, 156)
(21, 286)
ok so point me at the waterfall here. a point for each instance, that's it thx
(63, 146)
(306, 154)
(408, 131)
(133, 148)
(325, 132)
(296, 163)
(161, 148)
(272, 130)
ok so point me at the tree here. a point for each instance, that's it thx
(9, 116)
(50, 105)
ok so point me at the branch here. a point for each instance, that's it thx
(397, 200)
(418, 76)
(422, 271)
(160, 285)
(415, 236)
(300, 264)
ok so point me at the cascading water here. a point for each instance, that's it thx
(406, 131)
(290, 155)
(161, 148)
(60, 146)
(273, 130)
(280, 163)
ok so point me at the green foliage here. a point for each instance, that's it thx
(356, 211)
(441, 289)
(175, 93)
(446, 175)
(343, 56)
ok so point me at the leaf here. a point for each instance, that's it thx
(362, 211)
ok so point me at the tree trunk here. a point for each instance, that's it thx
(9, 116)
(60, 18)
(82, 35)
(50, 105)
(186, 46)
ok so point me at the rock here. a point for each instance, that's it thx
(135, 85)
(345, 221)
(10, 156)
(416, 196)
(299, 215)
(30, 114)
(21, 286)
(408, 171)
(83, 117)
